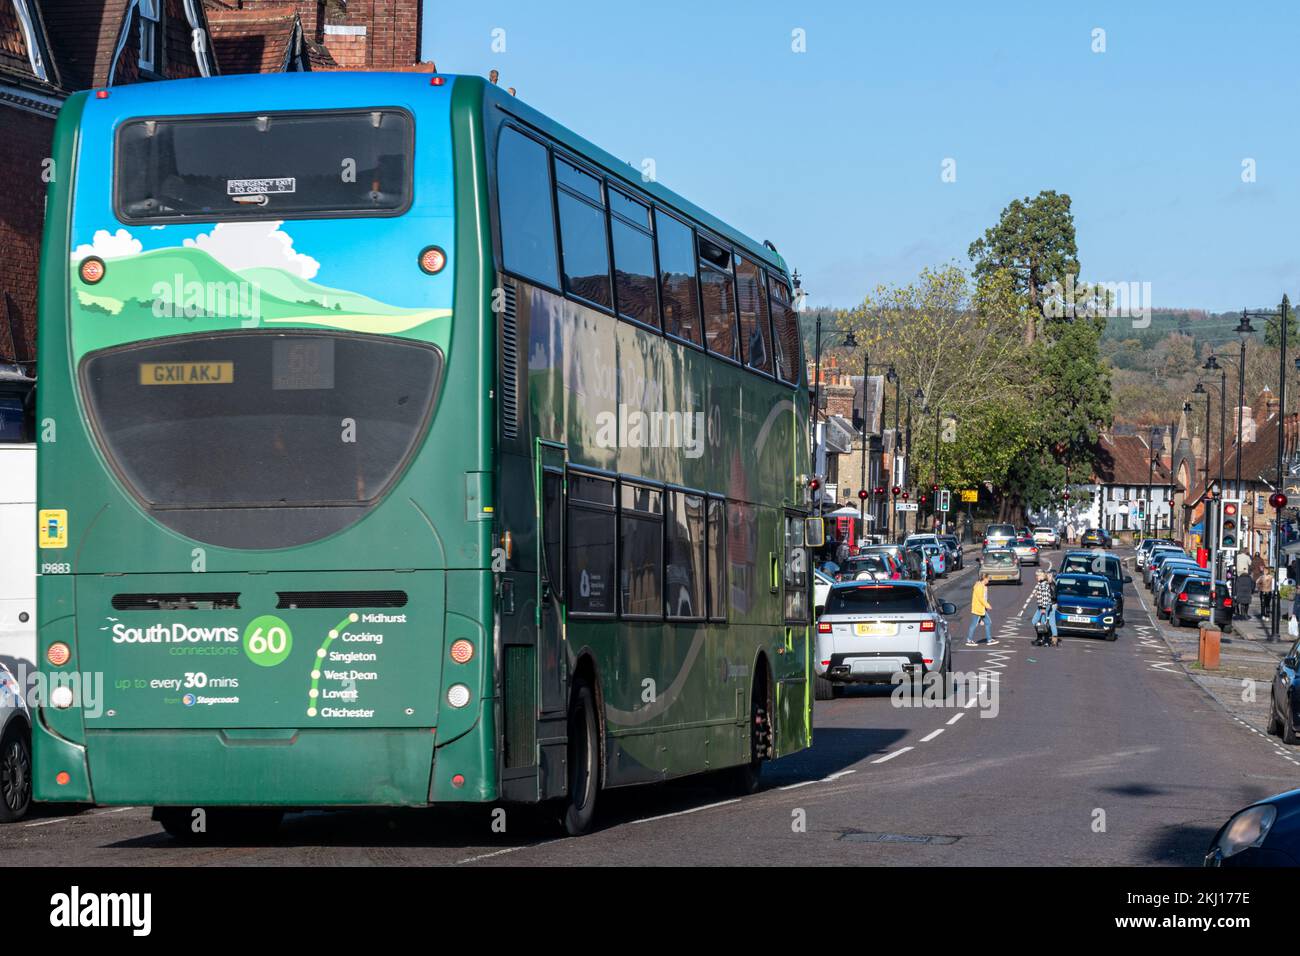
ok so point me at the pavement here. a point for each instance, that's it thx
(1093, 753)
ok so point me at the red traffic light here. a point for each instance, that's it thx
(905, 496)
(1277, 500)
(1229, 508)
(814, 484)
(863, 494)
(934, 487)
(897, 489)
(1065, 495)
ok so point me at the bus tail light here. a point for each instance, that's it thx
(823, 627)
(92, 269)
(927, 625)
(63, 778)
(432, 259)
(58, 654)
(458, 695)
(461, 651)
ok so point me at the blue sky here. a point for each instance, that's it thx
(835, 154)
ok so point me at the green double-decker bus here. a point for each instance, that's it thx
(401, 447)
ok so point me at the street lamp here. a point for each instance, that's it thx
(850, 341)
(1151, 468)
(891, 376)
(1245, 331)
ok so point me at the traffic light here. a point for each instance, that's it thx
(924, 498)
(1229, 516)
(1277, 500)
(945, 500)
(934, 487)
(896, 490)
(863, 494)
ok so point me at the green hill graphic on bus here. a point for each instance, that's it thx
(190, 287)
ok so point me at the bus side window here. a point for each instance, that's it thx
(526, 212)
(718, 299)
(755, 333)
(785, 327)
(584, 244)
(677, 278)
(684, 577)
(634, 259)
(717, 560)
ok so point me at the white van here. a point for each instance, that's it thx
(18, 557)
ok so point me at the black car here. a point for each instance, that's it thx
(1173, 586)
(1191, 605)
(1095, 538)
(1085, 604)
(912, 560)
(1285, 698)
(956, 560)
(1107, 565)
(1266, 833)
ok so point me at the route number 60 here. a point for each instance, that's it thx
(267, 640)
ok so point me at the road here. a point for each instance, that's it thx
(1096, 753)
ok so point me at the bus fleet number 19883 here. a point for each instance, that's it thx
(56, 567)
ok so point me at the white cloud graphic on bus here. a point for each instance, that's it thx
(249, 245)
(108, 245)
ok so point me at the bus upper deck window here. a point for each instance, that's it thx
(285, 165)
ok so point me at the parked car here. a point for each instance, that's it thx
(1144, 546)
(956, 559)
(1164, 577)
(1026, 551)
(878, 565)
(907, 560)
(999, 535)
(1158, 554)
(1108, 565)
(874, 632)
(1047, 538)
(1266, 833)
(1085, 604)
(1284, 698)
(1174, 586)
(1192, 604)
(1095, 538)
(15, 750)
(937, 556)
(1160, 561)
(1001, 564)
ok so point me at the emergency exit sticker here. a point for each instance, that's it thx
(53, 527)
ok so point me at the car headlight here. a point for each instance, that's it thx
(1246, 829)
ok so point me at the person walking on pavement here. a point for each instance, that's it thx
(1266, 584)
(1241, 593)
(979, 611)
(1256, 566)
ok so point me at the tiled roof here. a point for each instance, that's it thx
(252, 41)
(83, 37)
(1125, 460)
(15, 58)
(1258, 457)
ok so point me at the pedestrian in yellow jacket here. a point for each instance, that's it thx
(979, 611)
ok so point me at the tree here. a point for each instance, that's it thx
(1273, 327)
(1034, 242)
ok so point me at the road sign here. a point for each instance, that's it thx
(970, 496)
(908, 506)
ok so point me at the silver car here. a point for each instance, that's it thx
(15, 750)
(877, 631)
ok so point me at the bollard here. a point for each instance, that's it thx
(1207, 654)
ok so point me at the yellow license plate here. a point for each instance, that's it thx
(1203, 612)
(875, 629)
(187, 373)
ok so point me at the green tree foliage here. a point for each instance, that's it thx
(1273, 327)
(1033, 241)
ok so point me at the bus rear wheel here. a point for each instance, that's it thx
(584, 763)
(744, 779)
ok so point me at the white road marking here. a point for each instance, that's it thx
(682, 813)
(509, 849)
(896, 753)
(956, 717)
(796, 786)
(45, 823)
(836, 776)
(930, 736)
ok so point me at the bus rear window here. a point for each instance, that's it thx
(256, 439)
(264, 166)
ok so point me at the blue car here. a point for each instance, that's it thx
(1266, 833)
(1085, 604)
